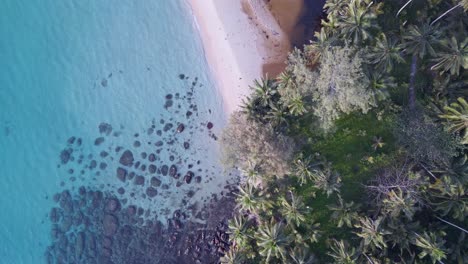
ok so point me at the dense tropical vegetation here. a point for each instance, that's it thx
(357, 153)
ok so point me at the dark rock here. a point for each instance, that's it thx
(103, 165)
(188, 177)
(143, 167)
(112, 205)
(168, 104)
(110, 224)
(186, 145)
(121, 174)
(180, 128)
(209, 125)
(127, 158)
(136, 144)
(65, 155)
(104, 82)
(71, 140)
(151, 192)
(92, 164)
(105, 128)
(121, 190)
(159, 143)
(164, 170)
(139, 180)
(152, 168)
(137, 164)
(152, 157)
(155, 182)
(188, 114)
(172, 170)
(167, 127)
(98, 141)
(198, 179)
(143, 155)
(103, 154)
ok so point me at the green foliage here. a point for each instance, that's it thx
(342, 253)
(431, 245)
(374, 183)
(456, 116)
(453, 57)
(294, 210)
(372, 233)
(344, 213)
(272, 240)
(420, 40)
(385, 54)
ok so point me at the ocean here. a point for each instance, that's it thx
(109, 123)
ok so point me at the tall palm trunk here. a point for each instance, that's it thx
(411, 90)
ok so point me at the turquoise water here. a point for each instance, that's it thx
(66, 67)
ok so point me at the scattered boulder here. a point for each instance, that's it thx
(105, 128)
(65, 155)
(151, 192)
(180, 128)
(127, 158)
(139, 180)
(155, 182)
(98, 141)
(164, 170)
(121, 174)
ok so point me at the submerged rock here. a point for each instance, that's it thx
(127, 158)
(121, 174)
(105, 128)
(180, 128)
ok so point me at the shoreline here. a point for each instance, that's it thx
(242, 41)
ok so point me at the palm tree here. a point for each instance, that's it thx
(272, 240)
(418, 41)
(344, 213)
(303, 168)
(385, 53)
(237, 230)
(252, 174)
(335, 8)
(233, 257)
(301, 255)
(431, 245)
(295, 104)
(342, 253)
(454, 56)
(462, 3)
(264, 90)
(449, 196)
(322, 42)
(327, 181)
(456, 116)
(380, 83)
(294, 211)
(358, 20)
(248, 199)
(277, 116)
(372, 233)
(397, 202)
(400, 234)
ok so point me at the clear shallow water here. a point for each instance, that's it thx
(66, 67)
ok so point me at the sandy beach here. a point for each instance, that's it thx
(245, 40)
